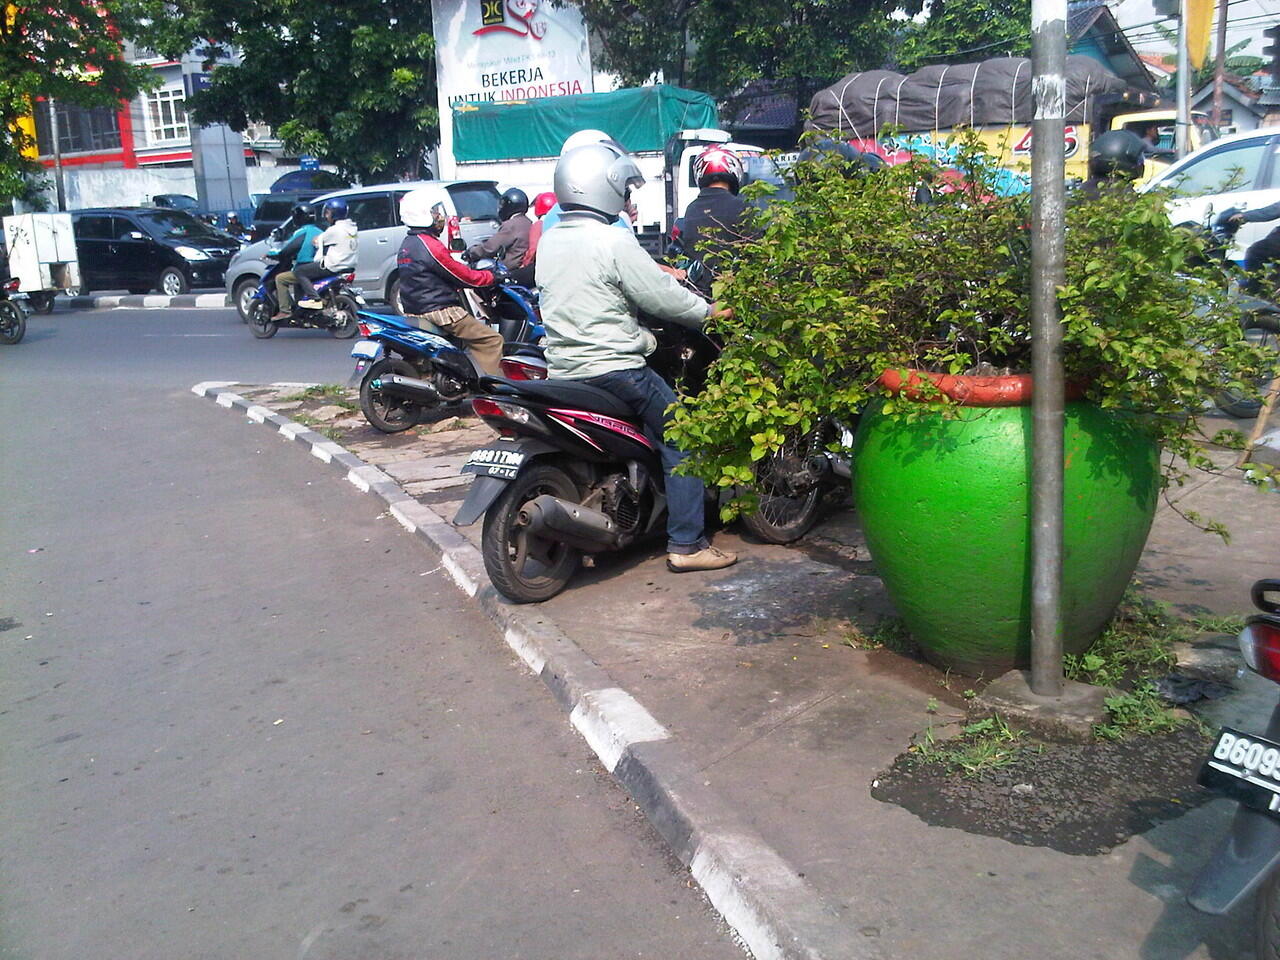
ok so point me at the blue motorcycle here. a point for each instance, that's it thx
(339, 302)
(405, 372)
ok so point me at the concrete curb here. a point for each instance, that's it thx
(778, 915)
(202, 301)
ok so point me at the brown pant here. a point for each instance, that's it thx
(483, 342)
(283, 282)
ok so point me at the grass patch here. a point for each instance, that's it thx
(986, 744)
(1215, 624)
(888, 634)
(1137, 644)
(1140, 710)
(320, 391)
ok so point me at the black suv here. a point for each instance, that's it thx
(147, 248)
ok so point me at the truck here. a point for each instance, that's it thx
(895, 116)
(42, 256)
(665, 127)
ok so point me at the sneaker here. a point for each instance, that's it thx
(310, 304)
(708, 558)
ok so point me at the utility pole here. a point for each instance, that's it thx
(55, 136)
(1182, 139)
(1048, 208)
(1220, 63)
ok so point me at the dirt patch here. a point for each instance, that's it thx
(1075, 798)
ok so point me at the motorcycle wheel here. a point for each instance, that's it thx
(260, 323)
(1262, 331)
(344, 317)
(13, 325)
(1266, 919)
(524, 568)
(388, 414)
(789, 499)
(42, 301)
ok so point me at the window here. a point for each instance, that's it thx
(80, 129)
(371, 211)
(475, 201)
(93, 228)
(167, 116)
(1223, 171)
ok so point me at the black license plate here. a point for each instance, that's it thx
(495, 462)
(1246, 768)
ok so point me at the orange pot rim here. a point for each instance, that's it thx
(1013, 390)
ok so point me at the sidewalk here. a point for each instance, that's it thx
(747, 670)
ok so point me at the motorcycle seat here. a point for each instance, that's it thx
(570, 393)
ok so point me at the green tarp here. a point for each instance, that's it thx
(641, 119)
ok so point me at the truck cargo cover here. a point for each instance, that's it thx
(640, 118)
(996, 91)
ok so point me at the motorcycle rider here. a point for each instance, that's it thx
(336, 249)
(594, 278)
(512, 237)
(301, 245)
(430, 279)
(713, 221)
(1261, 252)
(1115, 156)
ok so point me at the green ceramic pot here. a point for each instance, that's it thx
(945, 507)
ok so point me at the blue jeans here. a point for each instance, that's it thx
(649, 396)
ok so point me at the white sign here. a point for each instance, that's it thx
(491, 50)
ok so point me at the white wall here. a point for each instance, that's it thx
(119, 187)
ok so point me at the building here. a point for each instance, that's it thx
(1242, 106)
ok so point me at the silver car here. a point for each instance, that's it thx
(376, 211)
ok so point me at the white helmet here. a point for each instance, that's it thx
(596, 177)
(417, 207)
(584, 138)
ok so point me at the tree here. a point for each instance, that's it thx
(69, 50)
(351, 82)
(961, 31)
(721, 45)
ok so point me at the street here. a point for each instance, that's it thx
(245, 715)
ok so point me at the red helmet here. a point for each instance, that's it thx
(718, 163)
(543, 202)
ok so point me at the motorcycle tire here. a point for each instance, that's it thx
(260, 323)
(389, 414)
(787, 510)
(345, 317)
(42, 301)
(508, 548)
(13, 324)
(1264, 331)
(1266, 919)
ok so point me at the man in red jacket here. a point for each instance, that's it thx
(430, 281)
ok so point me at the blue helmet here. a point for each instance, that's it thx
(337, 207)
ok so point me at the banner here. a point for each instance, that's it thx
(504, 50)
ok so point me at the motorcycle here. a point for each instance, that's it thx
(339, 305)
(13, 312)
(405, 371)
(1246, 768)
(572, 471)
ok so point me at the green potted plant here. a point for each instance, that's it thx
(861, 302)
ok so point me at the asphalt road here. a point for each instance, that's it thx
(243, 715)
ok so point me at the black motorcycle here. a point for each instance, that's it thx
(13, 312)
(1246, 768)
(340, 304)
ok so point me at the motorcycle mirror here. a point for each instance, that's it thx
(136, 235)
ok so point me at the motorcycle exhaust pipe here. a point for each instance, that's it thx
(572, 523)
(408, 388)
(824, 465)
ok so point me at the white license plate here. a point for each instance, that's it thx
(495, 462)
(367, 349)
(1245, 767)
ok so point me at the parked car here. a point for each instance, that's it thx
(1241, 170)
(376, 211)
(318, 180)
(147, 248)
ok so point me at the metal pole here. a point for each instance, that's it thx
(1183, 91)
(1048, 205)
(1219, 63)
(55, 136)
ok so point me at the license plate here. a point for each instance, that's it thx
(368, 349)
(495, 462)
(1246, 768)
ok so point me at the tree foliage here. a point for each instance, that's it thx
(961, 31)
(721, 45)
(70, 50)
(351, 82)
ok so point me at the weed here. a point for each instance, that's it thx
(1218, 624)
(931, 706)
(1139, 711)
(969, 694)
(890, 633)
(319, 391)
(1136, 644)
(985, 744)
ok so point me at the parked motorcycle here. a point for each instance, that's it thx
(13, 312)
(404, 371)
(1246, 768)
(339, 305)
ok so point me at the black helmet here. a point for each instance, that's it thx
(514, 200)
(1116, 154)
(302, 213)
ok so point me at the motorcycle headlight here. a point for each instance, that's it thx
(192, 253)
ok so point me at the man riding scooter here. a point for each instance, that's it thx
(430, 279)
(336, 252)
(301, 246)
(594, 279)
(511, 240)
